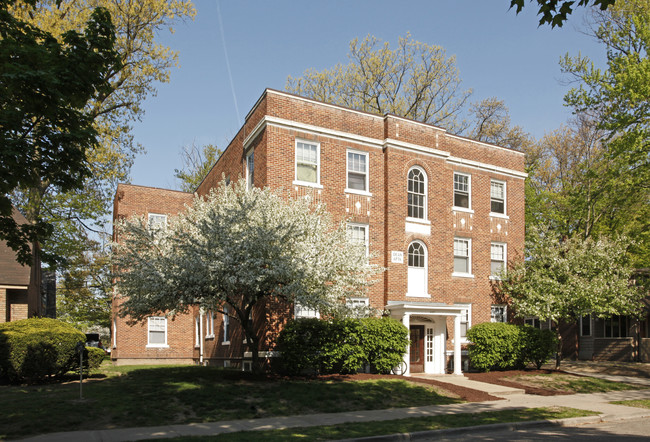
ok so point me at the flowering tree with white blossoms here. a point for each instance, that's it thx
(562, 280)
(237, 247)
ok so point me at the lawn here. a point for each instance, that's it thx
(639, 403)
(363, 429)
(569, 383)
(144, 396)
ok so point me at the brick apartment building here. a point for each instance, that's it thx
(441, 213)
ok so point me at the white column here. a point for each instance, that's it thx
(201, 316)
(457, 367)
(406, 320)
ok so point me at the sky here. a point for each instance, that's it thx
(498, 54)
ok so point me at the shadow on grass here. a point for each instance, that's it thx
(147, 396)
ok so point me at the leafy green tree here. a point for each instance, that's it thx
(416, 80)
(46, 86)
(566, 278)
(197, 162)
(619, 96)
(84, 291)
(236, 248)
(77, 213)
(556, 12)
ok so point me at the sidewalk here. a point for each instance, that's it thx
(512, 400)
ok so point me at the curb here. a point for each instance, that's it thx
(506, 426)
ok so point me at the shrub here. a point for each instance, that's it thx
(340, 346)
(540, 345)
(496, 345)
(385, 341)
(36, 348)
(94, 357)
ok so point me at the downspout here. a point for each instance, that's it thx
(201, 315)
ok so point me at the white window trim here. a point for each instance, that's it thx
(505, 258)
(367, 235)
(361, 299)
(249, 184)
(468, 309)
(115, 333)
(505, 311)
(469, 258)
(226, 327)
(505, 200)
(197, 331)
(426, 271)
(297, 312)
(426, 195)
(469, 193)
(153, 214)
(347, 161)
(150, 345)
(296, 181)
(209, 325)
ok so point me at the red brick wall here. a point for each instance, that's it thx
(279, 119)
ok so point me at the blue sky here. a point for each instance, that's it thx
(497, 53)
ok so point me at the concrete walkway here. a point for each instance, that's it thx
(598, 402)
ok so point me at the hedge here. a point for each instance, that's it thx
(340, 346)
(503, 346)
(93, 358)
(37, 348)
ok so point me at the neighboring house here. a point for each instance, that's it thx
(440, 212)
(20, 293)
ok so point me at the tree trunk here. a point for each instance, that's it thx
(558, 355)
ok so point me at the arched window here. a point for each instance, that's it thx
(417, 193)
(417, 269)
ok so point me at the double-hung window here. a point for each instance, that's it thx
(300, 311)
(209, 325)
(585, 325)
(462, 256)
(358, 234)
(157, 331)
(465, 322)
(497, 259)
(499, 313)
(498, 197)
(250, 169)
(417, 193)
(226, 326)
(357, 171)
(307, 163)
(157, 222)
(462, 190)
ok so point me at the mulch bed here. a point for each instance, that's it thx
(498, 378)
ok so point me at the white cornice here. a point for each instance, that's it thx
(376, 143)
(481, 143)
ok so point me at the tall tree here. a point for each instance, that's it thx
(416, 80)
(492, 124)
(46, 87)
(566, 278)
(76, 214)
(235, 249)
(619, 96)
(197, 162)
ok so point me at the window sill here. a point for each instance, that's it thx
(307, 184)
(494, 278)
(209, 337)
(499, 215)
(462, 275)
(157, 346)
(357, 192)
(421, 295)
(225, 342)
(462, 209)
(418, 220)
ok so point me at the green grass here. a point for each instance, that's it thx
(639, 403)
(362, 429)
(145, 396)
(570, 383)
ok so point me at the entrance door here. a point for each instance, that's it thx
(417, 349)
